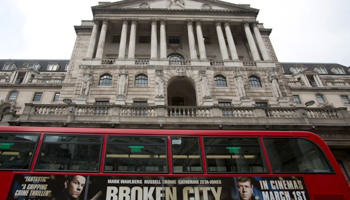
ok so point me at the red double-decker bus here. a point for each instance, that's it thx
(126, 164)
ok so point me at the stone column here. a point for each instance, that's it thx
(101, 42)
(93, 38)
(318, 81)
(201, 45)
(123, 37)
(154, 42)
(222, 44)
(251, 41)
(231, 42)
(132, 41)
(260, 41)
(191, 41)
(163, 45)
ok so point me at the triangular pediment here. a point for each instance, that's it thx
(175, 4)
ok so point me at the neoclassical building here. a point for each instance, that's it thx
(178, 64)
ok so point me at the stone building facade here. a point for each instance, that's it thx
(178, 64)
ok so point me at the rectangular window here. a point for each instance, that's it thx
(8, 67)
(226, 112)
(345, 99)
(174, 39)
(140, 103)
(101, 109)
(224, 104)
(291, 155)
(70, 153)
(186, 155)
(56, 97)
(260, 104)
(320, 98)
(338, 71)
(321, 70)
(116, 39)
(234, 155)
(296, 99)
(37, 96)
(145, 39)
(136, 154)
(140, 111)
(52, 67)
(17, 151)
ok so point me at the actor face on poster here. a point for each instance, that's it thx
(245, 188)
(74, 185)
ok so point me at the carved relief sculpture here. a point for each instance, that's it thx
(240, 84)
(123, 82)
(176, 3)
(86, 82)
(204, 85)
(159, 84)
(275, 86)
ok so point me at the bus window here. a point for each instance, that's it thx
(234, 155)
(136, 154)
(295, 155)
(186, 155)
(16, 151)
(70, 153)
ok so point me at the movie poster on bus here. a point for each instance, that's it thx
(63, 187)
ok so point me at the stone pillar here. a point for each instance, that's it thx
(261, 43)
(101, 42)
(222, 44)
(93, 37)
(163, 44)
(123, 36)
(251, 41)
(231, 42)
(132, 41)
(154, 42)
(318, 81)
(201, 45)
(191, 41)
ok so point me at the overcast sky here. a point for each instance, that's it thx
(303, 30)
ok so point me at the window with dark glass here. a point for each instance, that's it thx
(345, 99)
(141, 80)
(220, 81)
(145, 39)
(106, 80)
(70, 153)
(295, 155)
(8, 67)
(320, 98)
(296, 99)
(17, 151)
(136, 154)
(186, 155)
(37, 96)
(234, 155)
(174, 39)
(254, 81)
(56, 97)
(13, 95)
(261, 104)
(226, 112)
(312, 81)
(140, 111)
(206, 40)
(100, 110)
(116, 39)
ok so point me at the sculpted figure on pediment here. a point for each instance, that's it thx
(176, 3)
(86, 82)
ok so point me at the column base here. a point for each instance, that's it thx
(207, 101)
(200, 63)
(120, 100)
(247, 102)
(159, 62)
(237, 63)
(81, 99)
(283, 102)
(159, 101)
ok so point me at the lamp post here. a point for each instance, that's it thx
(308, 103)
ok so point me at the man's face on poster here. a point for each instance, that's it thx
(245, 190)
(75, 186)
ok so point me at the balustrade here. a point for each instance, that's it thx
(138, 111)
(217, 63)
(141, 62)
(281, 113)
(108, 61)
(322, 113)
(249, 63)
(49, 110)
(237, 112)
(178, 111)
(93, 110)
(179, 62)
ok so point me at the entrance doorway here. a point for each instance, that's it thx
(181, 92)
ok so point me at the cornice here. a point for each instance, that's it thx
(32, 85)
(83, 28)
(118, 10)
(316, 89)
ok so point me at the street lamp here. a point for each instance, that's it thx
(68, 101)
(308, 103)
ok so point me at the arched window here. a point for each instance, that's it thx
(141, 80)
(106, 80)
(220, 81)
(254, 81)
(6, 110)
(13, 95)
(175, 57)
